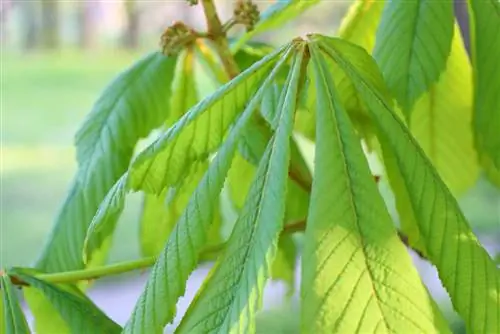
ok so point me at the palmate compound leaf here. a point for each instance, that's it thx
(14, 321)
(77, 310)
(485, 28)
(135, 102)
(232, 293)
(356, 274)
(466, 270)
(156, 305)
(167, 161)
(275, 16)
(412, 46)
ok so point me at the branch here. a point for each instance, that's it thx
(217, 34)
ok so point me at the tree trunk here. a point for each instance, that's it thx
(131, 34)
(87, 24)
(50, 24)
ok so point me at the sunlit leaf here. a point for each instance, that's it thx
(441, 122)
(198, 133)
(275, 16)
(360, 24)
(167, 282)
(14, 321)
(183, 87)
(160, 214)
(47, 319)
(466, 270)
(485, 28)
(357, 29)
(77, 310)
(232, 293)
(356, 273)
(413, 43)
(167, 161)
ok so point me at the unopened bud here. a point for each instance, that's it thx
(175, 37)
(246, 13)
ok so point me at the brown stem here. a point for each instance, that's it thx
(217, 34)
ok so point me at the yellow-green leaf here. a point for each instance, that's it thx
(485, 45)
(14, 321)
(413, 42)
(357, 276)
(441, 122)
(466, 270)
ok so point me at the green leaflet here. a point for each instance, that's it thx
(77, 310)
(135, 102)
(104, 222)
(273, 17)
(160, 214)
(47, 318)
(192, 139)
(156, 305)
(250, 53)
(356, 274)
(465, 269)
(359, 27)
(239, 180)
(183, 87)
(413, 43)
(485, 31)
(198, 133)
(231, 294)
(360, 23)
(441, 122)
(14, 321)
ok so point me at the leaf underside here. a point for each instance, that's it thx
(229, 298)
(156, 305)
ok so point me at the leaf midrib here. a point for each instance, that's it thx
(10, 302)
(351, 200)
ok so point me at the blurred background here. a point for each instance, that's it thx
(56, 58)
